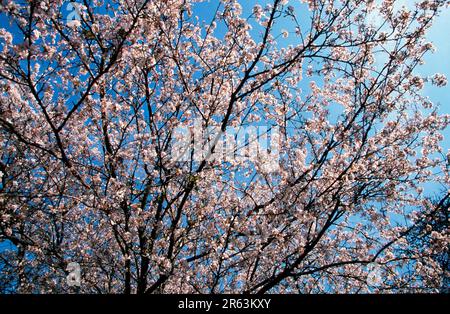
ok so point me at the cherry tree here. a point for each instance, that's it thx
(90, 105)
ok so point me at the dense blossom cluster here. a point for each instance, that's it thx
(88, 107)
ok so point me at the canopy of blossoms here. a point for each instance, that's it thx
(91, 104)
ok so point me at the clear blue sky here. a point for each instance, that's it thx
(437, 62)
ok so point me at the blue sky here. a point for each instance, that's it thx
(437, 62)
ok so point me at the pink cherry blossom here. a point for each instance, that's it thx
(89, 113)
